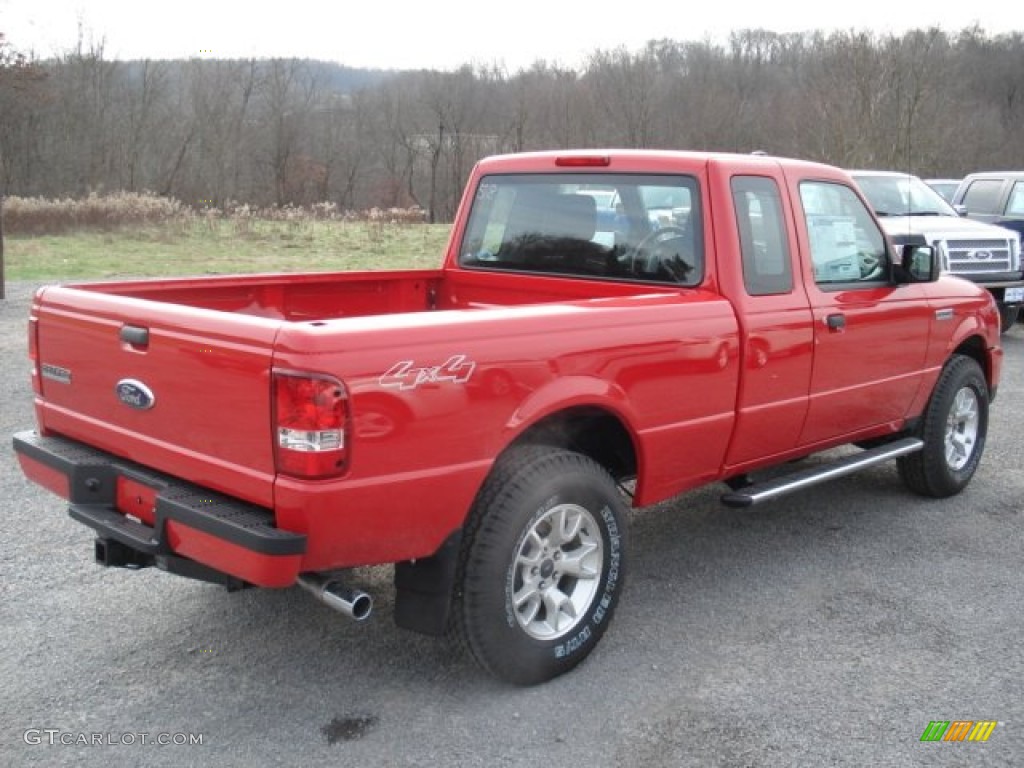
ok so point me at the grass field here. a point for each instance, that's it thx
(218, 246)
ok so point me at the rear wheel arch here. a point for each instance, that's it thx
(592, 431)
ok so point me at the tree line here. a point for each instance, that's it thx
(294, 132)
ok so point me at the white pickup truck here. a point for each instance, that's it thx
(912, 212)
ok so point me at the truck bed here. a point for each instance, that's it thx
(207, 348)
(327, 296)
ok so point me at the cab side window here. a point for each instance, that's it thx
(847, 246)
(982, 196)
(765, 253)
(1015, 207)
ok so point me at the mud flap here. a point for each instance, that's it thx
(424, 589)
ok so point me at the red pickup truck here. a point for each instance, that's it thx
(609, 329)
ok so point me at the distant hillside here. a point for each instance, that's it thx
(296, 132)
(329, 75)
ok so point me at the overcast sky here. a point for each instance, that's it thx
(443, 34)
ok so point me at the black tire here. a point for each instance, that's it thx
(1007, 316)
(953, 429)
(503, 557)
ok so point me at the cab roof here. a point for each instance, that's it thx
(640, 161)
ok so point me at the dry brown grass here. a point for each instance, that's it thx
(40, 216)
(126, 210)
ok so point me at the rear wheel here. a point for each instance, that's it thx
(953, 430)
(542, 564)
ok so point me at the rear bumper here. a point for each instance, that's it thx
(222, 533)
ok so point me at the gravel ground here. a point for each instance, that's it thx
(826, 629)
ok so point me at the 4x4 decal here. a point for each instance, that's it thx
(457, 369)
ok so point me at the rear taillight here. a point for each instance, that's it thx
(310, 425)
(33, 354)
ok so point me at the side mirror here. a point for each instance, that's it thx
(960, 209)
(917, 264)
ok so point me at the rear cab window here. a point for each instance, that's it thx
(633, 227)
(764, 248)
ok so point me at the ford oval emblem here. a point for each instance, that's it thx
(981, 255)
(135, 394)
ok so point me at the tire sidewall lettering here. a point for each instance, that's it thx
(599, 609)
(573, 644)
(614, 557)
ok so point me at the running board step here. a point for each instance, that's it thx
(796, 481)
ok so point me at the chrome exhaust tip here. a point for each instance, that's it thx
(354, 603)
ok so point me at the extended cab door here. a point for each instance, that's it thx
(870, 335)
(755, 220)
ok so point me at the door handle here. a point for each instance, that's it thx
(135, 335)
(836, 322)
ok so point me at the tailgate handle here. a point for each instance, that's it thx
(135, 335)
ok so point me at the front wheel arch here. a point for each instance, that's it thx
(1008, 315)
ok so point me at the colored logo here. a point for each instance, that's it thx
(959, 730)
(135, 394)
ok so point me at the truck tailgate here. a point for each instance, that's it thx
(176, 388)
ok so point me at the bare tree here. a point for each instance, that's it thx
(287, 98)
(20, 80)
(145, 87)
(291, 131)
(621, 85)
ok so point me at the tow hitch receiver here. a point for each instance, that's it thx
(114, 554)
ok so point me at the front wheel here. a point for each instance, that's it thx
(953, 430)
(542, 564)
